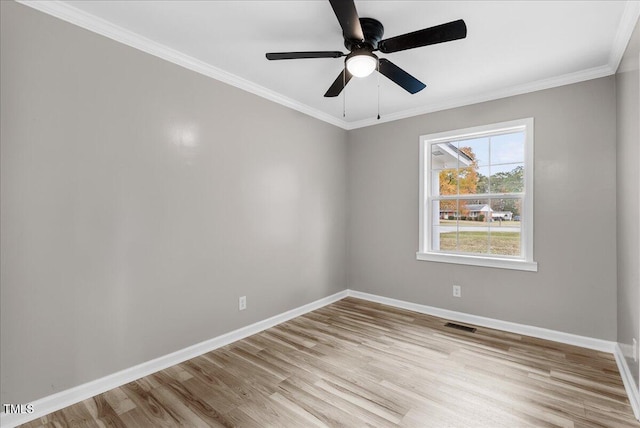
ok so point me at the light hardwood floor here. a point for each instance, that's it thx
(355, 364)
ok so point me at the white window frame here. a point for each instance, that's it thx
(525, 261)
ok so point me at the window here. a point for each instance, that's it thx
(476, 196)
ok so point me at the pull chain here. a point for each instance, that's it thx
(378, 69)
(344, 92)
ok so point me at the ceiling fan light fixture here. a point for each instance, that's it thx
(361, 63)
(363, 36)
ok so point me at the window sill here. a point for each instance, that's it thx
(479, 261)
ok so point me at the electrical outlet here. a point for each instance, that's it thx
(242, 303)
(457, 291)
(635, 350)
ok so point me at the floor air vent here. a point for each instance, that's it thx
(460, 327)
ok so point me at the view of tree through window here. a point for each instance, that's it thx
(477, 194)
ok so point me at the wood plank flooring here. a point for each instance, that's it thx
(361, 364)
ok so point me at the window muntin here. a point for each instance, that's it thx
(476, 197)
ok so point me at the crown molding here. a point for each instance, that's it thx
(539, 85)
(625, 30)
(73, 15)
(630, 17)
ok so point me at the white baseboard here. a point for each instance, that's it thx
(66, 398)
(82, 392)
(629, 384)
(542, 333)
(526, 330)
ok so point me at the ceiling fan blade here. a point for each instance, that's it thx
(298, 55)
(399, 76)
(338, 85)
(429, 36)
(347, 15)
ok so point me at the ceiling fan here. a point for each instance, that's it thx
(362, 37)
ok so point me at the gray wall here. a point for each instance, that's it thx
(140, 200)
(574, 290)
(628, 213)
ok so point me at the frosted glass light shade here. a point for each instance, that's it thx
(361, 65)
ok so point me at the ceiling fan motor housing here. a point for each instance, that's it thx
(372, 30)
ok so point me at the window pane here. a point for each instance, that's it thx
(505, 227)
(476, 149)
(447, 181)
(435, 183)
(444, 236)
(447, 237)
(444, 156)
(507, 178)
(483, 179)
(447, 210)
(468, 180)
(473, 227)
(468, 165)
(483, 226)
(507, 148)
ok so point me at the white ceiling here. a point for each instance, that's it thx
(511, 47)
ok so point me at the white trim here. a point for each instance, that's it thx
(479, 131)
(65, 398)
(627, 379)
(491, 262)
(427, 250)
(75, 16)
(423, 237)
(524, 88)
(523, 329)
(625, 30)
(62, 399)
